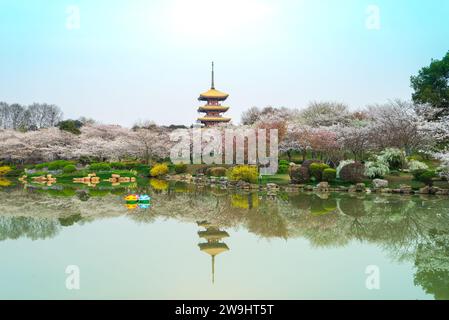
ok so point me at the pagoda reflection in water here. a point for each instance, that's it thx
(213, 246)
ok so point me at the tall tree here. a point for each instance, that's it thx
(4, 115)
(17, 116)
(431, 87)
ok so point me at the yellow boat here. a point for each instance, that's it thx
(132, 197)
(131, 206)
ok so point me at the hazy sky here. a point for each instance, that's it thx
(127, 60)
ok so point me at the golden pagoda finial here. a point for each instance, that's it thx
(213, 80)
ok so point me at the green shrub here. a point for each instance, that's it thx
(299, 174)
(41, 166)
(424, 176)
(59, 164)
(4, 170)
(180, 168)
(216, 172)
(100, 166)
(54, 165)
(69, 168)
(353, 172)
(394, 157)
(159, 169)
(118, 166)
(376, 169)
(414, 165)
(283, 167)
(307, 163)
(14, 172)
(329, 175)
(243, 173)
(316, 170)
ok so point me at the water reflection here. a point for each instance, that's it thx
(407, 228)
(213, 246)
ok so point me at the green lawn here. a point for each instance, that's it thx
(276, 178)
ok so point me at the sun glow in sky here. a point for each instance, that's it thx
(140, 59)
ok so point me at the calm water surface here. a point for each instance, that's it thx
(213, 244)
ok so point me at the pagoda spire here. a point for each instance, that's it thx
(213, 269)
(213, 246)
(213, 107)
(213, 77)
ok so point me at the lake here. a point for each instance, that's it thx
(209, 243)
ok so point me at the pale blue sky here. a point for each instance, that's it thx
(138, 59)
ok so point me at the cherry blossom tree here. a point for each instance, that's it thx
(325, 114)
(396, 124)
(354, 139)
(150, 143)
(297, 138)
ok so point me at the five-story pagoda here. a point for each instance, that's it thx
(213, 108)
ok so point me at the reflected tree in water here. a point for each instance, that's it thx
(432, 264)
(28, 227)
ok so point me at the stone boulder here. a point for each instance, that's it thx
(323, 186)
(243, 185)
(272, 186)
(308, 187)
(360, 187)
(380, 183)
(405, 189)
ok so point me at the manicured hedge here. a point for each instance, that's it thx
(69, 168)
(100, 166)
(329, 174)
(316, 170)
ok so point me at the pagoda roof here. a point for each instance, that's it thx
(213, 248)
(213, 108)
(213, 234)
(213, 94)
(214, 119)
